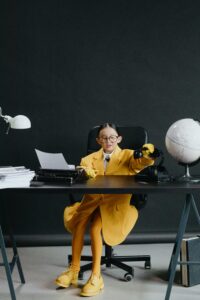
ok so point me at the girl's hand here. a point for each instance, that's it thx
(89, 172)
(147, 151)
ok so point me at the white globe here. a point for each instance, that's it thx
(183, 140)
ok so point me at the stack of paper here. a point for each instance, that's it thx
(11, 177)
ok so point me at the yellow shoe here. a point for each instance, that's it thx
(93, 286)
(70, 276)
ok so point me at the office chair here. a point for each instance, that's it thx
(133, 138)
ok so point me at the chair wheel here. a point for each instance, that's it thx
(147, 265)
(128, 277)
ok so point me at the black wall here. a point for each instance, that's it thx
(70, 65)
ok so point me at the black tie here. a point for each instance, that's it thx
(107, 159)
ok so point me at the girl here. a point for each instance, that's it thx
(109, 216)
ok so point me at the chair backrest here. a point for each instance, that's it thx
(133, 138)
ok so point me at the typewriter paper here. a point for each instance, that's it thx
(55, 161)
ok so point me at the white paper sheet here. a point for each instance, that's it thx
(55, 161)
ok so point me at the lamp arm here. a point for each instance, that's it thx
(7, 119)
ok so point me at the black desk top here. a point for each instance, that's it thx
(119, 185)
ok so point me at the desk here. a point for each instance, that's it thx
(125, 185)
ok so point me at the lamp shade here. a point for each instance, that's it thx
(20, 122)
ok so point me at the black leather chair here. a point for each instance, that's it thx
(133, 138)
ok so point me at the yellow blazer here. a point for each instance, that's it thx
(118, 216)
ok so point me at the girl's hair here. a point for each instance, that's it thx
(105, 125)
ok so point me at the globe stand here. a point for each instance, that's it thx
(187, 177)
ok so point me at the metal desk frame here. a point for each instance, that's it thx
(9, 266)
(115, 185)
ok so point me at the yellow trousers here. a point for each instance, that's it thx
(96, 241)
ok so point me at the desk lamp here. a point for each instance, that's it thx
(17, 122)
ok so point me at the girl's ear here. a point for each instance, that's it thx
(119, 139)
(98, 142)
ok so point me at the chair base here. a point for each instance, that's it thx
(110, 259)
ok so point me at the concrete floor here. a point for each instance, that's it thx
(41, 265)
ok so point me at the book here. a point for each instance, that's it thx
(190, 252)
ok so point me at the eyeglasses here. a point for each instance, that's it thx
(112, 138)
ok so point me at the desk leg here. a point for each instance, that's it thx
(196, 211)
(177, 245)
(7, 266)
(16, 260)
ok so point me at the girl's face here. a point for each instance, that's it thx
(108, 139)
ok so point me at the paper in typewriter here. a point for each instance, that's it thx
(55, 161)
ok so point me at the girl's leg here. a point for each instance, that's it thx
(95, 283)
(96, 242)
(77, 243)
(70, 276)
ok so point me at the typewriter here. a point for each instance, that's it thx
(60, 176)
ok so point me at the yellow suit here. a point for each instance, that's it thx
(118, 216)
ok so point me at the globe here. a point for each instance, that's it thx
(183, 140)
